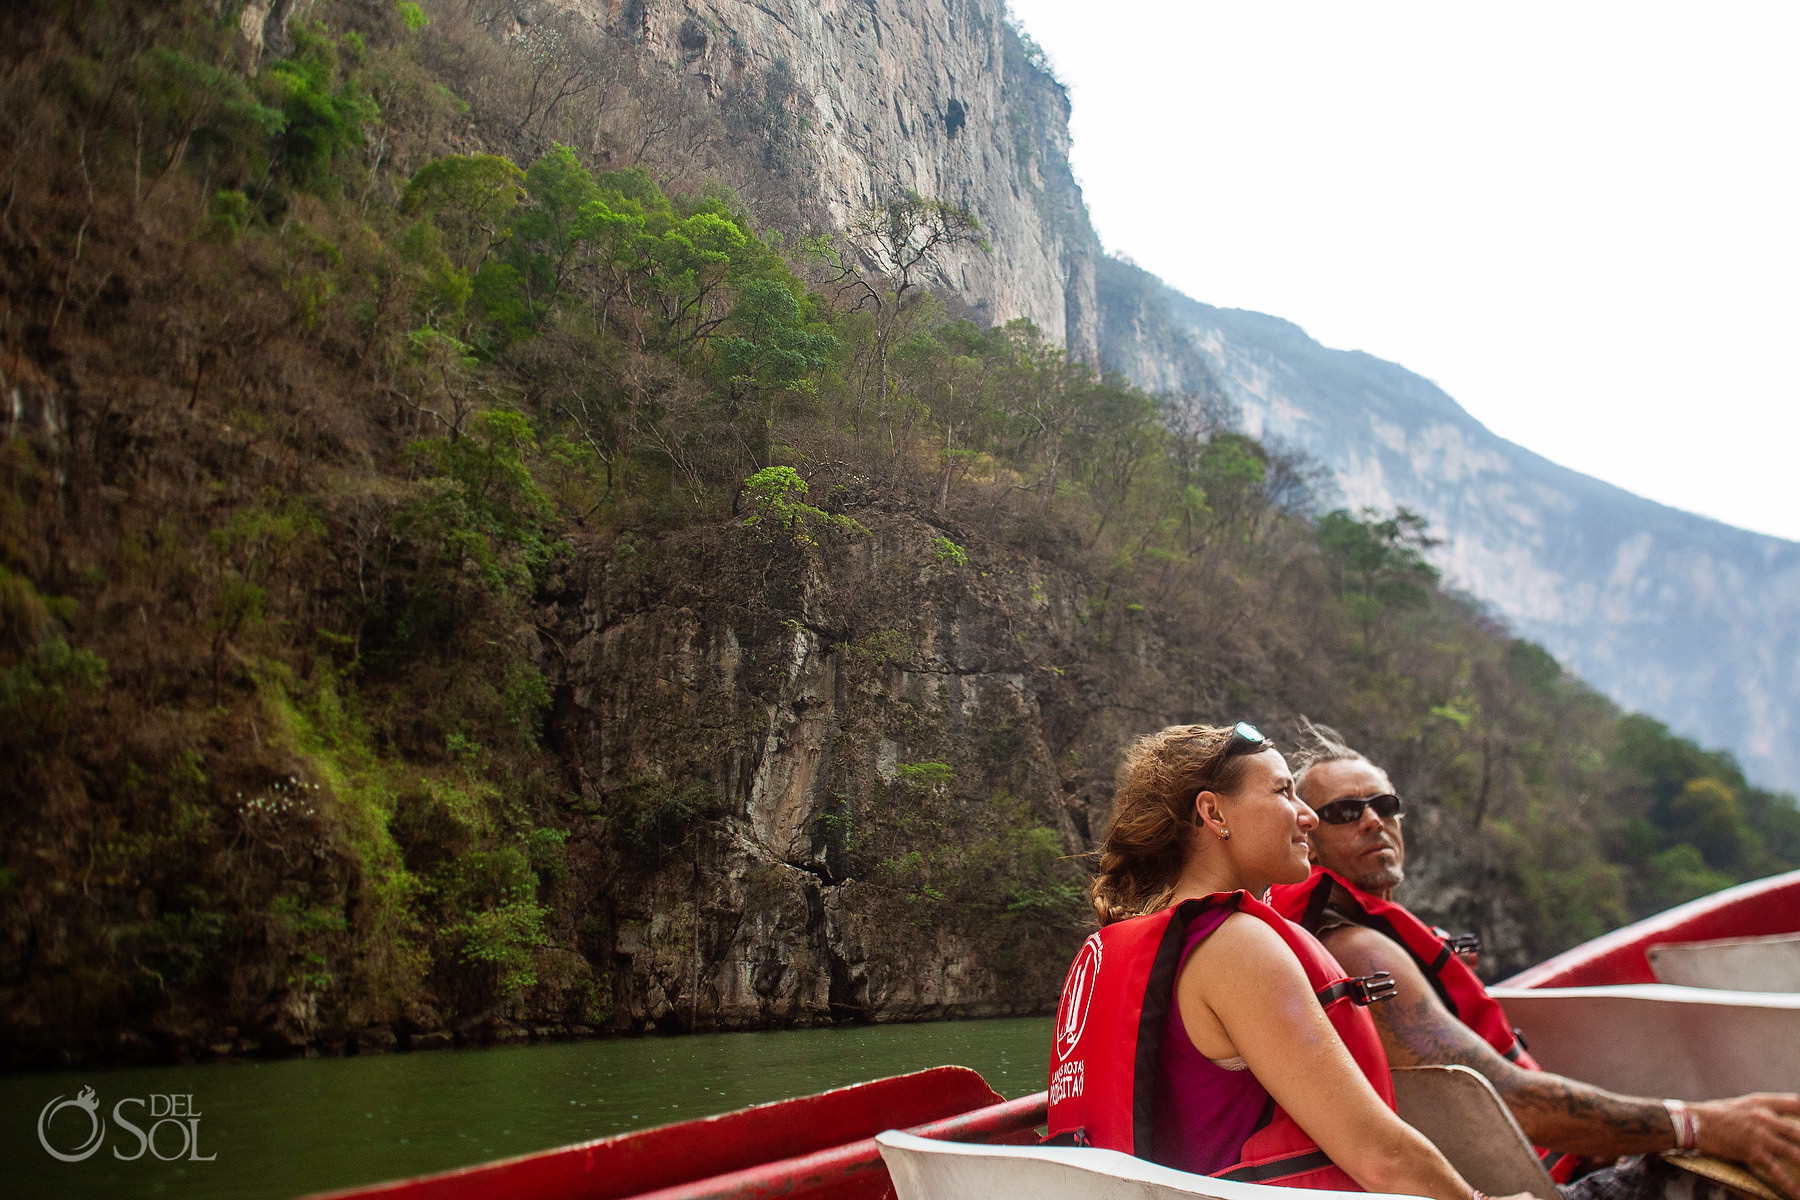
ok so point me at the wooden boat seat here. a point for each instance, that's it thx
(1746, 964)
(924, 1169)
(1461, 1114)
(1656, 1039)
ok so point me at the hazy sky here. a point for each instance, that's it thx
(1577, 219)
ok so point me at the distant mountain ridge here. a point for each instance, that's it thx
(1692, 621)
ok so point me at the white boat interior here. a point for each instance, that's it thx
(1453, 1106)
(1749, 964)
(1658, 1039)
(924, 1169)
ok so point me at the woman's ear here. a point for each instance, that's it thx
(1211, 815)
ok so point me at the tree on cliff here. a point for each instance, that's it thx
(891, 248)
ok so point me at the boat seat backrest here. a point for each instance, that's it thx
(924, 1169)
(1657, 1039)
(1461, 1114)
(1749, 964)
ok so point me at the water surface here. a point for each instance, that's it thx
(280, 1129)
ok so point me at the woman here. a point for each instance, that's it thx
(1200, 1029)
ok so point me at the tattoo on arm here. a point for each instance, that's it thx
(1419, 1031)
(1562, 1113)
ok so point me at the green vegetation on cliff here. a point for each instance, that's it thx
(346, 400)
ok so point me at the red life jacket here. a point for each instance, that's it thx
(1457, 986)
(1450, 977)
(1109, 1028)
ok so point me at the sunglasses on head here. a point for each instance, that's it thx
(1347, 811)
(1245, 739)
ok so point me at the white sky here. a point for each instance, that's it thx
(1579, 219)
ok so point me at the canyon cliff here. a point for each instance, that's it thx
(942, 99)
(471, 570)
(1690, 620)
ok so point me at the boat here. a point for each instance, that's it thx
(1694, 982)
(944, 1134)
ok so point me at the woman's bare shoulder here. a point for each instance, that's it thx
(1243, 929)
(1245, 946)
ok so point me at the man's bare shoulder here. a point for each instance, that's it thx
(1362, 951)
(1414, 1024)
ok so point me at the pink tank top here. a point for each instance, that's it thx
(1204, 1113)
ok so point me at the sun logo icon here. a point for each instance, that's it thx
(88, 1102)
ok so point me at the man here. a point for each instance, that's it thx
(1358, 841)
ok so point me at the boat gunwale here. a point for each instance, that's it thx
(1620, 957)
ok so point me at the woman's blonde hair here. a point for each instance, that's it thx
(1152, 812)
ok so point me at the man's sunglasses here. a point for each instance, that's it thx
(1348, 811)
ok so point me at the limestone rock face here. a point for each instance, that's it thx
(941, 98)
(812, 772)
(822, 730)
(843, 780)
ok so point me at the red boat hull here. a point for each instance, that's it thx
(1756, 909)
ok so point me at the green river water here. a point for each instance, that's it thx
(280, 1129)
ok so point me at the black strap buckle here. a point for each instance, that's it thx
(1461, 944)
(1368, 989)
(1363, 990)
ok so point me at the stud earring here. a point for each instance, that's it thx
(1224, 835)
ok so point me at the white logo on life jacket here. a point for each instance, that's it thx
(1068, 1081)
(1078, 993)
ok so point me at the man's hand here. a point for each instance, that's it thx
(1762, 1131)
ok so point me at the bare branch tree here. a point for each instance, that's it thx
(891, 249)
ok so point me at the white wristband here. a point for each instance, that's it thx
(1687, 1126)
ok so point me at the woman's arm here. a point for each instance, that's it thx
(1243, 992)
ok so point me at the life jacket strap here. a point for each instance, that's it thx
(1278, 1168)
(1068, 1137)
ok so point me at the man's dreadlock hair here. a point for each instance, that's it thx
(1320, 744)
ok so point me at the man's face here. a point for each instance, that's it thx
(1369, 852)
